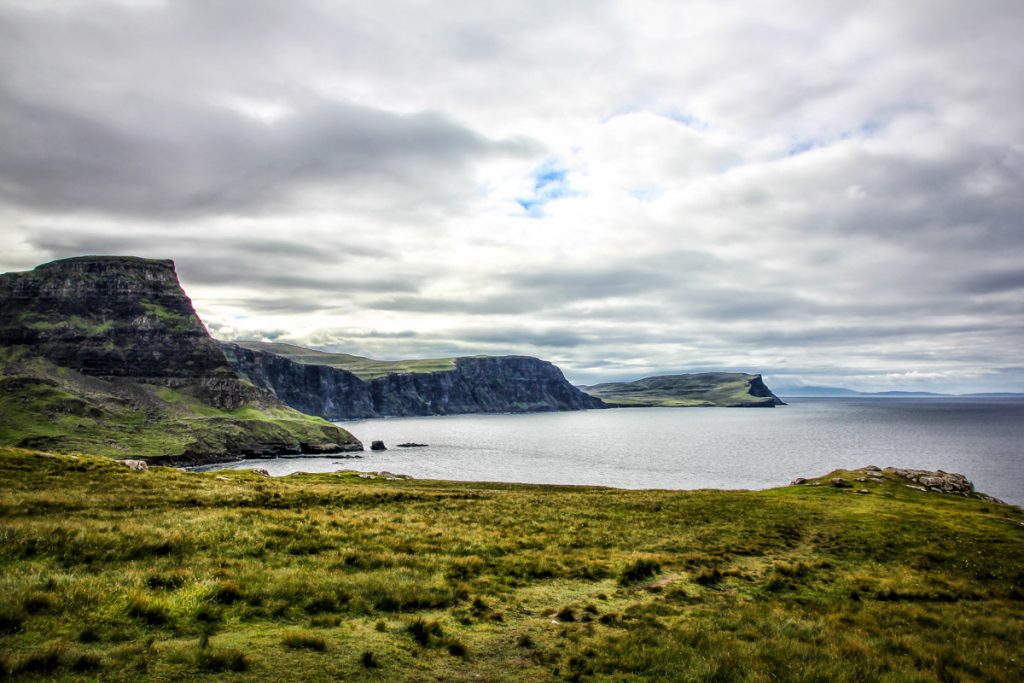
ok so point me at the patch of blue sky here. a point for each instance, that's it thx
(866, 129)
(550, 182)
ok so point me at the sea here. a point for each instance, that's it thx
(698, 448)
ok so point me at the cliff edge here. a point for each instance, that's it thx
(323, 384)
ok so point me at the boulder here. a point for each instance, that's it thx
(137, 465)
(378, 446)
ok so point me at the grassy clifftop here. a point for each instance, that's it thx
(50, 407)
(112, 574)
(363, 368)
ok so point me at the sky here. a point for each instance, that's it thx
(825, 192)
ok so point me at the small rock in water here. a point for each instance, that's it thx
(378, 446)
(412, 444)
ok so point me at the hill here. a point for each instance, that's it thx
(723, 389)
(105, 354)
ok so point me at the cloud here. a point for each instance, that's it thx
(820, 189)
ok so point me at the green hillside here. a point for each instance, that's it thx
(49, 407)
(726, 389)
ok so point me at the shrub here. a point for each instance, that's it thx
(566, 614)
(297, 640)
(457, 649)
(638, 570)
(368, 660)
(525, 641)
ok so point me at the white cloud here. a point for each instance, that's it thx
(817, 189)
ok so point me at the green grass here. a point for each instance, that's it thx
(364, 368)
(112, 574)
(52, 408)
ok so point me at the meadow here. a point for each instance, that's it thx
(112, 574)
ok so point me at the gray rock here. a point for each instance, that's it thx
(946, 482)
(378, 446)
(137, 465)
(841, 483)
(798, 481)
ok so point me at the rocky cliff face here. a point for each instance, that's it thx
(109, 316)
(475, 385)
(106, 354)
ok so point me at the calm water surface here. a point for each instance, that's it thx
(690, 448)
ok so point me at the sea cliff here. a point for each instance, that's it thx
(477, 384)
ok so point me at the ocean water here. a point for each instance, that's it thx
(692, 448)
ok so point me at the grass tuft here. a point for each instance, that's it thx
(368, 660)
(638, 570)
(299, 640)
(424, 631)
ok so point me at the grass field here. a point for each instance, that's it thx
(364, 368)
(112, 574)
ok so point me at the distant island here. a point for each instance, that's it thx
(723, 389)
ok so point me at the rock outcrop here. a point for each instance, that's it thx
(478, 384)
(944, 482)
(920, 480)
(106, 354)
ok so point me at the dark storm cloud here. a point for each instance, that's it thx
(995, 282)
(568, 284)
(491, 305)
(195, 160)
(64, 243)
